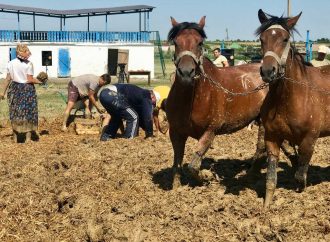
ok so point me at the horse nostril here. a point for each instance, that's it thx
(192, 72)
(180, 71)
(274, 69)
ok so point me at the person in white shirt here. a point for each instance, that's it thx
(220, 60)
(22, 97)
(321, 54)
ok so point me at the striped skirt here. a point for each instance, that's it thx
(23, 107)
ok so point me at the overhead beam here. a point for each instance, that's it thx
(73, 16)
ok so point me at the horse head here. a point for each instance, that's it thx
(274, 35)
(188, 39)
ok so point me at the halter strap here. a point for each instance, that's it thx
(276, 26)
(281, 61)
(198, 61)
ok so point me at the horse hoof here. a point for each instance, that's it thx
(301, 181)
(193, 172)
(300, 187)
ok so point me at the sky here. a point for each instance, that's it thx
(238, 16)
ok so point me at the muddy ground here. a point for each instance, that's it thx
(74, 188)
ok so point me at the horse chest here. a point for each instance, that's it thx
(275, 119)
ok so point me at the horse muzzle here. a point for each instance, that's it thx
(269, 74)
(186, 75)
(186, 70)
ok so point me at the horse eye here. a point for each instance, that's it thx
(200, 43)
(286, 40)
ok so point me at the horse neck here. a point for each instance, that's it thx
(208, 66)
(294, 73)
(184, 92)
(294, 67)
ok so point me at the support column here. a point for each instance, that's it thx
(148, 22)
(34, 22)
(61, 24)
(106, 23)
(88, 22)
(140, 21)
(18, 22)
(145, 21)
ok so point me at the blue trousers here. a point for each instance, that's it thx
(117, 106)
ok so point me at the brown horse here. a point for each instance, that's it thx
(297, 105)
(205, 101)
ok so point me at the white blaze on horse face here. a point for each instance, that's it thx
(273, 32)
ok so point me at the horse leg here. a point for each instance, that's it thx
(305, 151)
(260, 155)
(273, 152)
(178, 144)
(203, 144)
(290, 151)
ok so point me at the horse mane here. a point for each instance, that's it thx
(299, 56)
(275, 20)
(175, 30)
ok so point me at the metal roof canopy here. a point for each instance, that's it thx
(64, 14)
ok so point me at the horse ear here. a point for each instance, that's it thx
(174, 22)
(292, 21)
(262, 16)
(202, 22)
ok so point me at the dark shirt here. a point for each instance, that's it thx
(140, 100)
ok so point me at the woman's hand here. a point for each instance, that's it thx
(32, 80)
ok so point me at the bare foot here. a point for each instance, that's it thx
(64, 129)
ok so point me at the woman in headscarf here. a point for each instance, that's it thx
(22, 98)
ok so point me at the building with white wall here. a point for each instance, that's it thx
(72, 53)
(81, 58)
